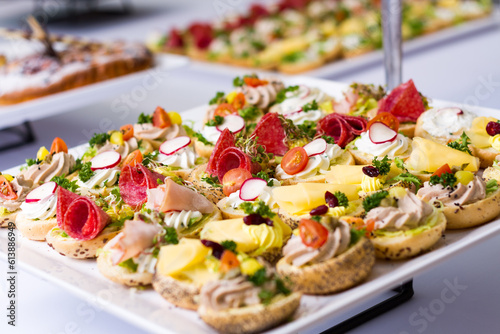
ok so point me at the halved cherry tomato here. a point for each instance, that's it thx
(294, 161)
(312, 233)
(387, 118)
(133, 158)
(370, 225)
(6, 191)
(254, 82)
(225, 109)
(127, 131)
(161, 119)
(228, 261)
(443, 169)
(239, 101)
(58, 145)
(233, 179)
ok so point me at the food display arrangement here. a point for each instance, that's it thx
(296, 36)
(283, 191)
(60, 63)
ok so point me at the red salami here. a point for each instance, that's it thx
(404, 102)
(135, 181)
(357, 124)
(334, 126)
(231, 158)
(79, 216)
(226, 140)
(175, 39)
(271, 134)
(202, 34)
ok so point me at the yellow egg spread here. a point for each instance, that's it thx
(477, 133)
(369, 184)
(495, 142)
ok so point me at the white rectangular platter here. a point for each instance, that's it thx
(147, 310)
(83, 96)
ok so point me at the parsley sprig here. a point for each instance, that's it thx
(86, 172)
(250, 113)
(310, 106)
(461, 144)
(143, 118)
(217, 120)
(373, 201)
(258, 207)
(229, 245)
(191, 133)
(212, 180)
(341, 198)
(445, 179)
(65, 183)
(217, 99)
(99, 139)
(281, 96)
(383, 165)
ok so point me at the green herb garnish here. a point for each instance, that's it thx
(356, 235)
(491, 186)
(99, 139)
(258, 207)
(65, 183)
(383, 165)
(281, 96)
(129, 264)
(171, 236)
(259, 277)
(410, 178)
(445, 179)
(310, 106)
(316, 218)
(229, 245)
(342, 198)
(86, 172)
(212, 180)
(191, 133)
(218, 99)
(218, 120)
(328, 139)
(308, 127)
(143, 118)
(150, 157)
(374, 200)
(461, 144)
(31, 162)
(249, 113)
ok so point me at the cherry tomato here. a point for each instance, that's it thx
(443, 169)
(370, 226)
(58, 145)
(387, 118)
(239, 101)
(294, 161)
(228, 261)
(233, 179)
(127, 131)
(133, 158)
(225, 109)
(6, 191)
(161, 119)
(254, 82)
(312, 233)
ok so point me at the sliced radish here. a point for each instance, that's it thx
(288, 114)
(173, 145)
(252, 188)
(105, 160)
(455, 110)
(234, 123)
(380, 133)
(44, 191)
(304, 91)
(317, 146)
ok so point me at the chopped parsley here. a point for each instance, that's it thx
(342, 198)
(65, 183)
(328, 139)
(238, 82)
(281, 96)
(399, 163)
(191, 133)
(309, 128)
(356, 235)
(461, 144)
(78, 165)
(218, 120)
(171, 236)
(159, 181)
(383, 165)
(445, 179)
(150, 157)
(129, 264)
(316, 218)
(266, 296)
(249, 113)
(259, 277)
(293, 57)
(31, 162)
(143, 118)
(368, 91)
(258, 207)
(86, 172)
(374, 200)
(264, 176)
(217, 99)
(212, 180)
(229, 245)
(491, 186)
(99, 139)
(310, 106)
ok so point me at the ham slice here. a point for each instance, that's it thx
(174, 197)
(135, 181)
(79, 216)
(136, 237)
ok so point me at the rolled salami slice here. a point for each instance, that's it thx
(231, 158)
(79, 216)
(271, 134)
(226, 139)
(404, 102)
(333, 125)
(134, 183)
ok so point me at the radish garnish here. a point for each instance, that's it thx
(233, 123)
(304, 91)
(380, 133)
(171, 146)
(252, 188)
(317, 146)
(44, 191)
(456, 110)
(105, 160)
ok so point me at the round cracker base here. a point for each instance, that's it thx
(8, 219)
(252, 319)
(213, 194)
(34, 229)
(119, 274)
(334, 275)
(473, 214)
(179, 293)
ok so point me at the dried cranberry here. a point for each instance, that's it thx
(320, 210)
(331, 200)
(493, 128)
(217, 249)
(371, 171)
(256, 219)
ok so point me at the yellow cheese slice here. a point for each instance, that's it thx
(345, 174)
(303, 197)
(199, 274)
(173, 259)
(429, 156)
(477, 132)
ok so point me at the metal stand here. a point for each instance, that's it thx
(404, 293)
(25, 134)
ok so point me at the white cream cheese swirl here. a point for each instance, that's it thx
(43, 209)
(398, 147)
(266, 196)
(210, 133)
(295, 100)
(124, 150)
(445, 121)
(181, 219)
(101, 178)
(184, 158)
(299, 118)
(317, 164)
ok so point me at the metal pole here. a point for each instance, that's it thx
(391, 25)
